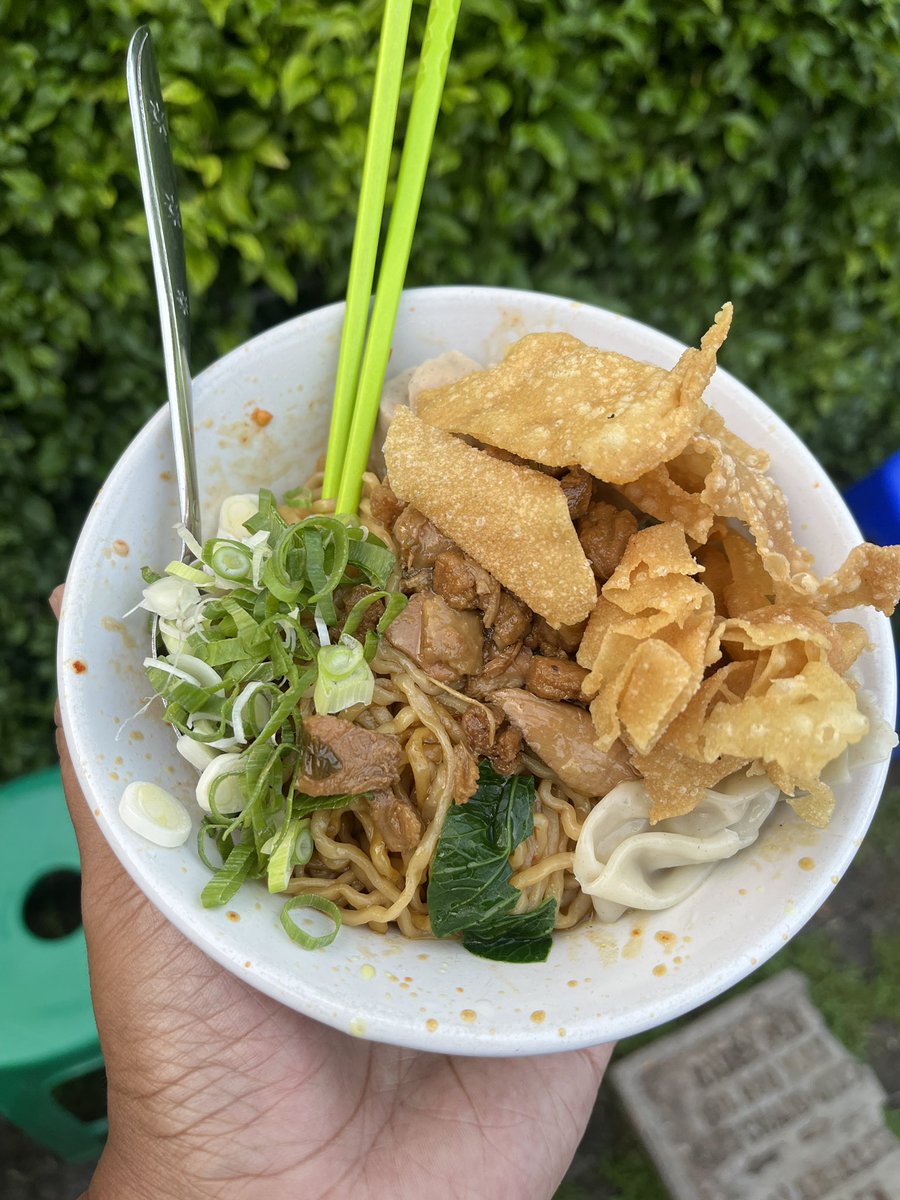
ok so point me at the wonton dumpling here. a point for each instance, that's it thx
(622, 863)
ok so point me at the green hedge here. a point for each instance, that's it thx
(656, 158)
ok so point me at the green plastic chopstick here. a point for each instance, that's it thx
(379, 140)
(429, 87)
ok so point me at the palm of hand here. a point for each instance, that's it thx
(216, 1090)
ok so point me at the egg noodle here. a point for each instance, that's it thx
(352, 866)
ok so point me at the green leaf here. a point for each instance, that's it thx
(297, 83)
(181, 91)
(469, 876)
(517, 938)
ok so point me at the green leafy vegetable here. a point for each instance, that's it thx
(469, 890)
(518, 937)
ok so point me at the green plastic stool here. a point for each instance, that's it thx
(48, 1039)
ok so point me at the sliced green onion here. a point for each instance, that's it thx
(319, 904)
(281, 860)
(227, 880)
(344, 679)
(189, 540)
(259, 544)
(181, 570)
(268, 517)
(173, 638)
(198, 754)
(230, 560)
(342, 659)
(235, 512)
(208, 829)
(257, 692)
(171, 598)
(304, 845)
(373, 559)
(155, 814)
(284, 707)
(298, 497)
(338, 543)
(219, 788)
(321, 627)
(198, 671)
(395, 602)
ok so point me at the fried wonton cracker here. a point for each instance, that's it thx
(659, 494)
(647, 642)
(512, 520)
(674, 772)
(555, 401)
(869, 575)
(796, 727)
(782, 639)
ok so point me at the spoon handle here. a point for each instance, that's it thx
(158, 187)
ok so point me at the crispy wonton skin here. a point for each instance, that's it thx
(553, 400)
(648, 641)
(512, 520)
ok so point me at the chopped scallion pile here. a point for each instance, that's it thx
(253, 626)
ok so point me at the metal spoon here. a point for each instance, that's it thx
(158, 187)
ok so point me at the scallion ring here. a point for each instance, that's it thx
(230, 560)
(300, 936)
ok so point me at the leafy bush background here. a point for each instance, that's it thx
(654, 158)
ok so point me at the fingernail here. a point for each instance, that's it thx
(56, 597)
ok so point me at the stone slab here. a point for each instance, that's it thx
(758, 1101)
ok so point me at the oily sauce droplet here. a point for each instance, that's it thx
(233, 916)
(805, 864)
(78, 666)
(261, 417)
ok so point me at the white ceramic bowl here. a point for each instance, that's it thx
(600, 982)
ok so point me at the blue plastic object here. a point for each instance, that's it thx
(875, 503)
(48, 1040)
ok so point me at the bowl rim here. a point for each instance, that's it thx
(398, 1032)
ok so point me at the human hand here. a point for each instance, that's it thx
(215, 1090)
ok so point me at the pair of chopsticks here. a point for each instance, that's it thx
(362, 362)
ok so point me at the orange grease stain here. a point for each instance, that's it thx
(261, 417)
